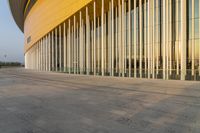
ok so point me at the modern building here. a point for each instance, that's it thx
(156, 39)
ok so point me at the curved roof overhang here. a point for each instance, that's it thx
(19, 10)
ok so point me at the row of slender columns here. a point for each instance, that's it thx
(102, 44)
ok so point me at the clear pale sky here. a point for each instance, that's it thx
(11, 38)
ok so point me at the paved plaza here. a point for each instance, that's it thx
(47, 102)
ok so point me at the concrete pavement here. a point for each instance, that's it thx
(46, 102)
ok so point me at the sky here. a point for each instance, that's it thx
(11, 37)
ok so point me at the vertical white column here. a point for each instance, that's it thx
(164, 41)
(46, 52)
(98, 49)
(105, 44)
(53, 53)
(149, 38)
(123, 38)
(116, 40)
(112, 38)
(60, 49)
(92, 46)
(170, 37)
(153, 40)
(95, 57)
(77, 48)
(129, 35)
(49, 51)
(109, 39)
(177, 38)
(42, 54)
(167, 38)
(69, 46)
(87, 42)
(102, 38)
(75, 60)
(199, 40)
(84, 46)
(72, 48)
(157, 36)
(41, 48)
(119, 37)
(141, 35)
(38, 55)
(65, 48)
(145, 38)
(193, 51)
(183, 38)
(46, 55)
(81, 43)
(135, 39)
(56, 49)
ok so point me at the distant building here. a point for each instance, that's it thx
(156, 39)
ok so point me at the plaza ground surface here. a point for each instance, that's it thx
(47, 102)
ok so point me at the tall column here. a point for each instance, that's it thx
(167, 39)
(177, 38)
(149, 38)
(199, 42)
(119, 36)
(105, 44)
(109, 56)
(72, 48)
(193, 32)
(164, 41)
(129, 35)
(69, 46)
(42, 55)
(77, 48)
(145, 37)
(39, 55)
(102, 38)
(49, 51)
(65, 47)
(46, 51)
(43, 51)
(183, 38)
(157, 36)
(141, 35)
(53, 53)
(75, 60)
(153, 40)
(60, 49)
(56, 49)
(116, 40)
(135, 39)
(46, 54)
(95, 57)
(112, 38)
(92, 46)
(99, 40)
(81, 43)
(123, 38)
(40, 64)
(170, 37)
(87, 42)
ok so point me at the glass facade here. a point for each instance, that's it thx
(155, 39)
